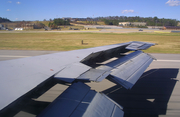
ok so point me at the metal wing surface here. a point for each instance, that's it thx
(20, 76)
(79, 101)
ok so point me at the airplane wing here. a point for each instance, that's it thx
(78, 100)
(19, 77)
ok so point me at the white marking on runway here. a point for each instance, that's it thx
(13, 56)
(167, 60)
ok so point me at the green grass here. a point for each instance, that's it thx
(167, 42)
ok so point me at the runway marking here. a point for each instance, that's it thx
(13, 56)
(167, 60)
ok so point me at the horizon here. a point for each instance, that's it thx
(85, 18)
(32, 10)
(88, 17)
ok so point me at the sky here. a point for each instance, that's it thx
(32, 10)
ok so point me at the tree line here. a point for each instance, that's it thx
(57, 22)
(4, 20)
(151, 21)
(111, 20)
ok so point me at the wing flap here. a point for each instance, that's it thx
(129, 72)
(78, 100)
(94, 75)
(84, 70)
(125, 70)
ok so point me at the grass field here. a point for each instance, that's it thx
(167, 42)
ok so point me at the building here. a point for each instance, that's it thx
(67, 18)
(124, 23)
(178, 24)
(9, 25)
(138, 23)
(18, 29)
(132, 23)
(26, 25)
(155, 27)
(2, 27)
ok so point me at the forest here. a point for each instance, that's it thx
(57, 22)
(151, 21)
(112, 20)
(4, 20)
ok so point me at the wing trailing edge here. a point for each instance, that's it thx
(80, 101)
(125, 70)
(129, 72)
(87, 70)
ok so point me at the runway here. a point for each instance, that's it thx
(121, 30)
(156, 94)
